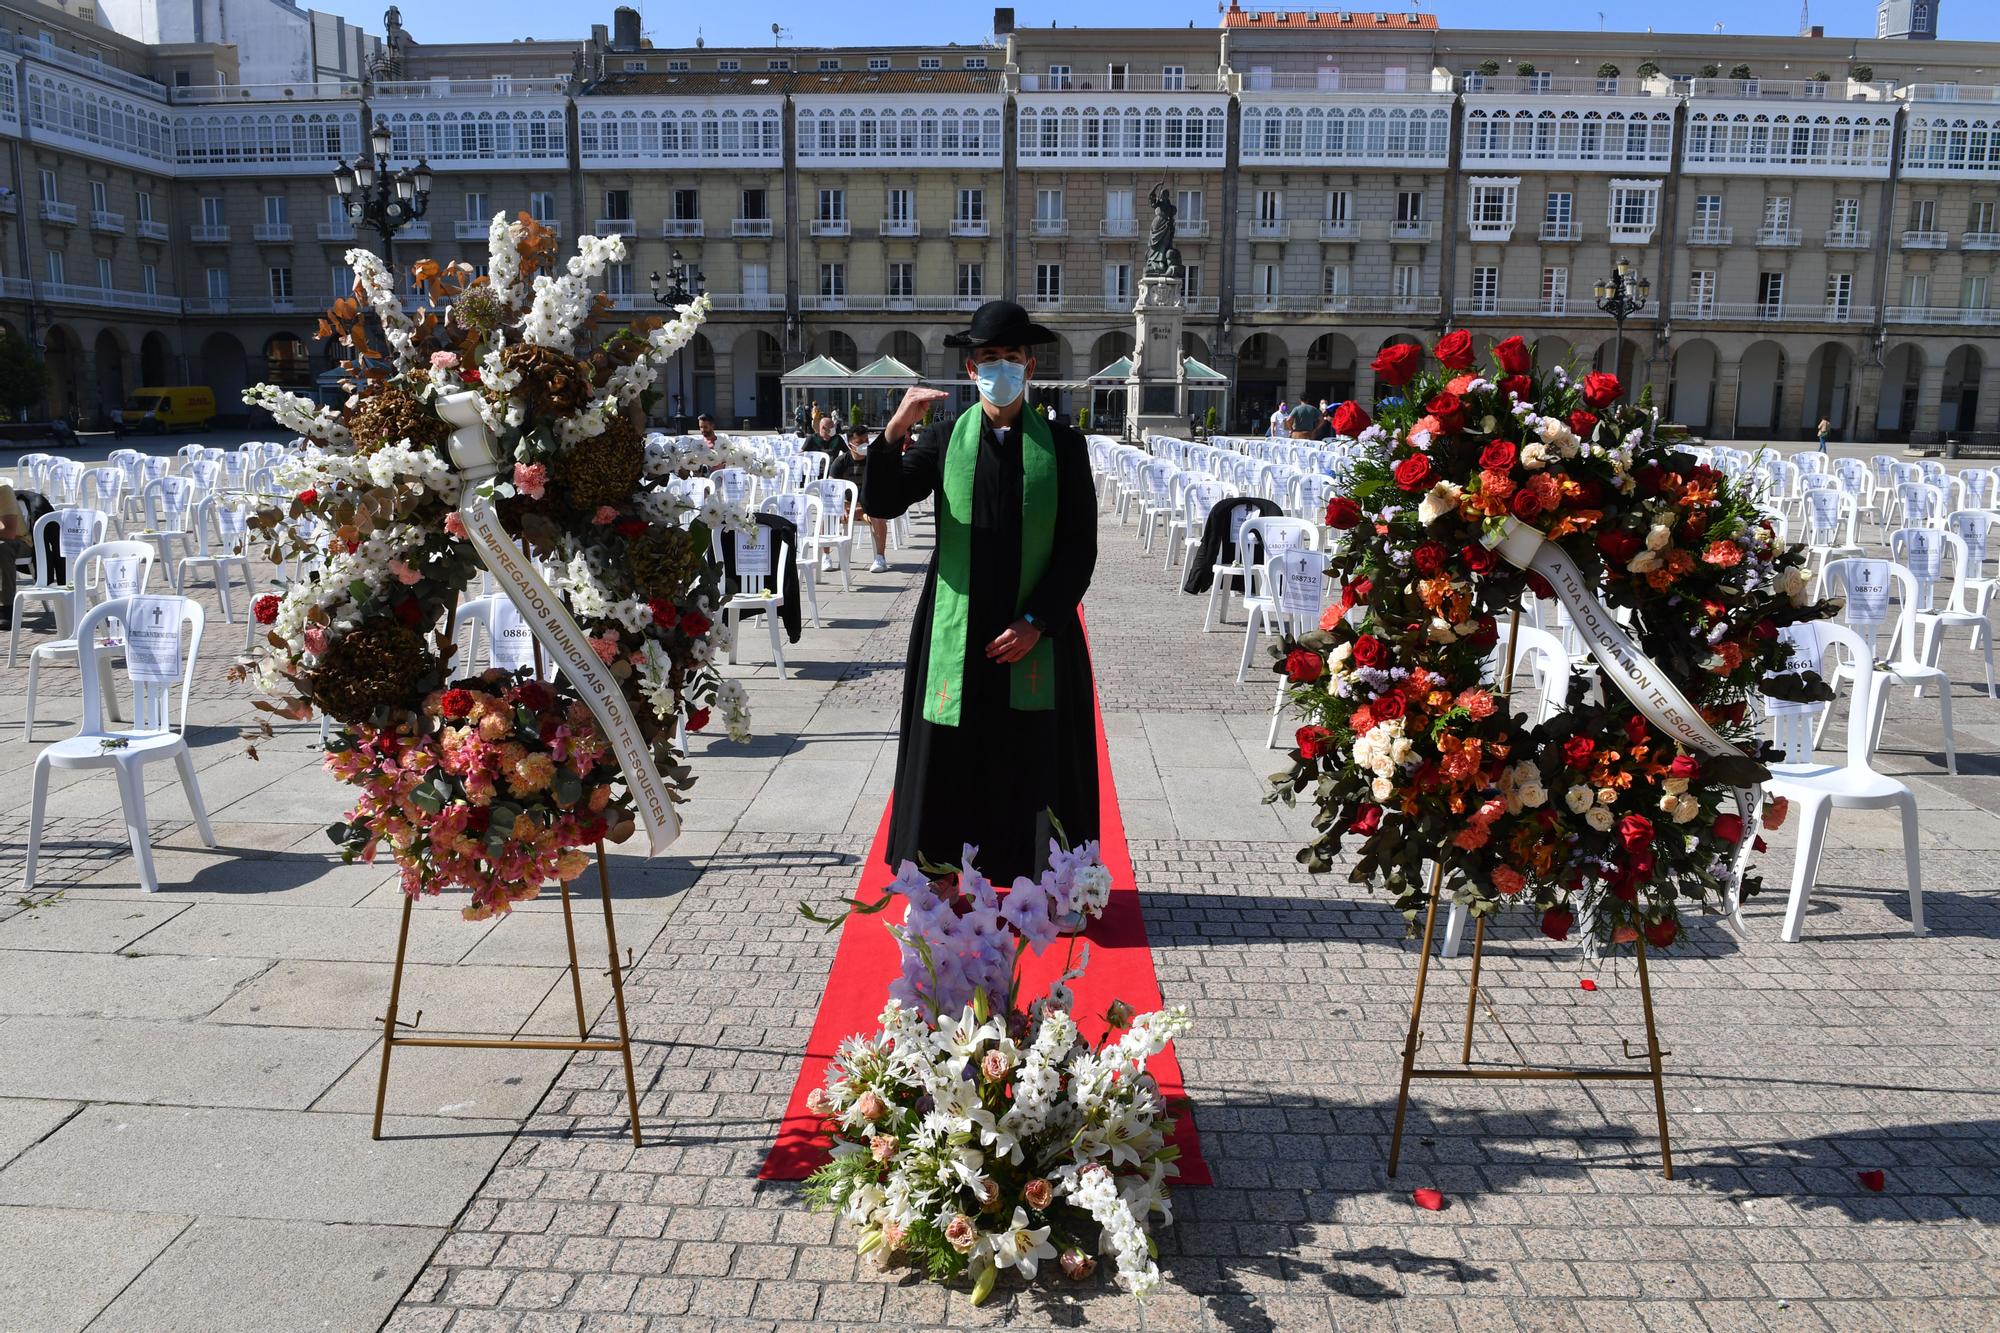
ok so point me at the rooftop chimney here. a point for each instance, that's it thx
(624, 28)
(1003, 20)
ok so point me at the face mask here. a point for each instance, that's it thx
(1001, 382)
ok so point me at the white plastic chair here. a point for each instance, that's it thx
(1242, 511)
(154, 734)
(1819, 789)
(1866, 585)
(168, 503)
(1265, 539)
(55, 594)
(1198, 497)
(804, 512)
(1297, 580)
(837, 499)
(222, 546)
(1923, 552)
(119, 570)
(750, 596)
(1156, 498)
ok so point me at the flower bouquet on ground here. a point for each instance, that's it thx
(1409, 745)
(493, 798)
(975, 1133)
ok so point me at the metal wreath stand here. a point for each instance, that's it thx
(556, 631)
(1647, 687)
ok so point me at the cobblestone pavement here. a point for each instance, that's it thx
(180, 1074)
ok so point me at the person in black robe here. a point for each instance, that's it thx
(993, 779)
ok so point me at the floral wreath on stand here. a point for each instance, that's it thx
(494, 783)
(1408, 745)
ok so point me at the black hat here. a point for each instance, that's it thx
(1000, 324)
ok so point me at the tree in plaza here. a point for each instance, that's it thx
(24, 377)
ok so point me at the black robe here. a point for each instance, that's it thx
(988, 780)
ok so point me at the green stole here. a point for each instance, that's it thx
(1031, 681)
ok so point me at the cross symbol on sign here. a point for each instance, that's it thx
(156, 617)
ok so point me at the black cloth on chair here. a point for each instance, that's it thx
(1217, 547)
(784, 546)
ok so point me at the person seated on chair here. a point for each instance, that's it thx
(999, 723)
(847, 466)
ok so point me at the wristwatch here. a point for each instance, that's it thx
(1032, 623)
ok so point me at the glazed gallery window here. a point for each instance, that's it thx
(1048, 283)
(971, 282)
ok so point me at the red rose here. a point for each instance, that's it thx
(409, 612)
(1389, 707)
(1303, 666)
(629, 528)
(1454, 350)
(1684, 766)
(1660, 934)
(1428, 558)
(1477, 558)
(1557, 920)
(1577, 750)
(1540, 586)
(1635, 729)
(1310, 739)
(1362, 587)
(694, 624)
(1635, 832)
(1512, 355)
(455, 704)
(697, 719)
(1624, 887)
(1449, 409)
(1498, 456)
(1618, 547)
(1350, 420)
(665, 613)
(1582, 423)
(1648, 480)
(1397, 364)
(1640, 863)
(1367, 821)
(309, 498)
(1520, 386)
(265, 609)
(1370, 651)
(1486, 630)
(1342, 512)
(1766, 629)
(1414, 473)
(533, 695)
(1600, 390)
(1729, 828)
(470, 375)
(1525, 504)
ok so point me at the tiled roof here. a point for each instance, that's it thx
(703, 83)
(1346, 20)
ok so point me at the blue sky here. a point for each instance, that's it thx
(844, 22)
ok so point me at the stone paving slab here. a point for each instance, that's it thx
(25, 1122)
(118, 985)
(135, 1060)
(65, 1265)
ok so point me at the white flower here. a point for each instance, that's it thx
(1599, 818)
(1440, 500)
(1021, 1246)
(1534, 455)
(1659, 537)
(1579, 798)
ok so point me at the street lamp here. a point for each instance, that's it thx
(1621, 296)
(382, 200)
(683, 284)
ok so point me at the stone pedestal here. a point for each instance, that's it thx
(1156, 390)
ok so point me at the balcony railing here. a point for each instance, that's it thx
(75, 293)
(501, 86)
(1627, 234)
(1114, 301)
(1979, 240)
(901, 227)
(1934, 314)
(1101, 81)
(831, 227)
(465, 229)
(1341, 229)
(750, 227)
(336, 231)
(419, 230)
(678, 228)
(1561, 231)
(63, 215)
(1771, 312)
(9, 201)
(1492, 231)
(1269, 229)
(206, 305)
(1418, 230)
(274, 232)
(1195, 228)
(811, 302)
(969, 227)
(100, 220)
(1847, 238)
(617, 227)
(1338, 305)
(1050, 226)
(209, 233)
(1118, 227)
(1926, 240)
(1710, 234)
(747, 300)
(325, 90)
(151, 229)
(1776, 238)
(16, 289)
(83, 64)
(1530, 306)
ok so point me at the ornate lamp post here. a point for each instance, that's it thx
(379, 199)
(683, 284)
(1621, 296)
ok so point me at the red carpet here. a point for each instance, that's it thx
(1121, 968)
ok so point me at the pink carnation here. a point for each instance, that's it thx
(606, 645)
(444, 360)
(455, 525)
(530, 479)
(604, 514)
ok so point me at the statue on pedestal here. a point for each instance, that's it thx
(1163, 260)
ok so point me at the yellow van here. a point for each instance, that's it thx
(157, 410)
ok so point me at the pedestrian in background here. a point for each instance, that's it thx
(1824, 427)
